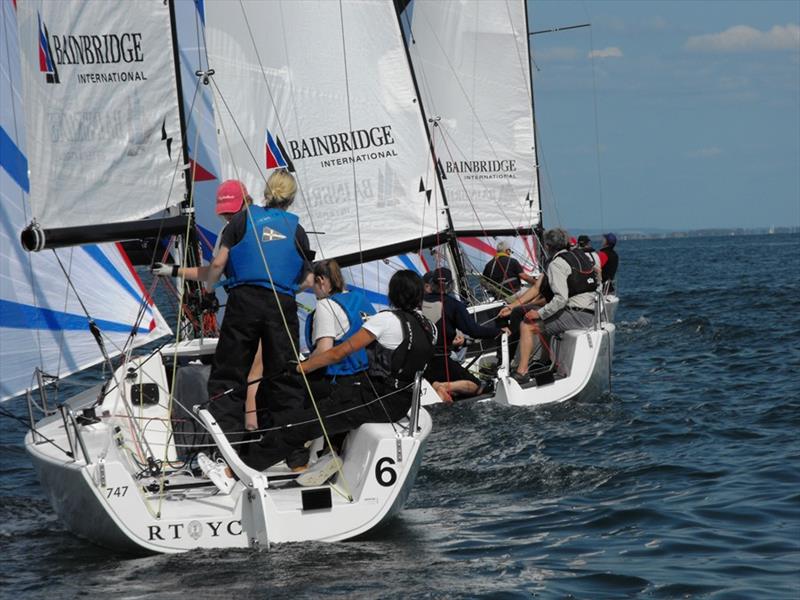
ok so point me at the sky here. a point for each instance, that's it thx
(691, 109)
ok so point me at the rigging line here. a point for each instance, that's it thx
(255, 48)
(244, 141)
(62, 333)
(596, 124)
(454, 72)
(11, 415)
(94, 329)
(287, 329)
(350, 126)
(184, 260)
(276, 113)
(426, 85)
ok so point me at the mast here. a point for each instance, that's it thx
(539, 229)
(452, 239)
(192, 253)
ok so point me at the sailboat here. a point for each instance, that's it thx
(473, 64)
(106, 117)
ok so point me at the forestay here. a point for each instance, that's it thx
(102, 117)
(42, 323)
(471, 60)
(325, 89)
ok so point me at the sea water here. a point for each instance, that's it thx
(682, 483)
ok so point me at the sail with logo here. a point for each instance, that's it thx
(473, 63)
(50, 299)
(117, 460)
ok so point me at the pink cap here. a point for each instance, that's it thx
(230, 196)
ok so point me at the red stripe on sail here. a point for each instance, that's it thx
(199, 173)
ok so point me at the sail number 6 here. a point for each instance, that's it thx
(385, 475)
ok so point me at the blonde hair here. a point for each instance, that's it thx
(280, 190)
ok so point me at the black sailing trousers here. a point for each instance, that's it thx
(253, 314)
(348, 407)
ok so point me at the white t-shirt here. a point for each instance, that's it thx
(330, 320)
(387, 329)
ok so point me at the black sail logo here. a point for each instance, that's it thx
(122, 50)
(354, 146)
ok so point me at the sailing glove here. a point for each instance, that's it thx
(163, 270)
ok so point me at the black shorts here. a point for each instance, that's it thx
(444, 369)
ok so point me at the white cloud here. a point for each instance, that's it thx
(709, 152)
(743, 38)
(610, 52)
(561, 53)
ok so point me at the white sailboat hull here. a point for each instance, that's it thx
(102, 496)
(583, 370)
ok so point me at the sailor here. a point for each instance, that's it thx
(504, 271)
(399, 343)
(447, 376)
(265, 254)
(609, 261)
(339, 314)
(569, 289)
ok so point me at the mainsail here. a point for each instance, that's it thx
(345, 118)
(103, 127)
(43, 315)
(472, 63)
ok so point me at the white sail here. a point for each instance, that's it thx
(102, 118)
(325, 89)
(472, 65)
(42, 320)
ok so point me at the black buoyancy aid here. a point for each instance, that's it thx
(612, 262)
(399, 366)
(581, 279)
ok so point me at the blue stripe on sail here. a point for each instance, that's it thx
(25, 316)
(100, 258)
(201, 10)
(14, 161)
(276, 152)
(371, 296)
(409, 263)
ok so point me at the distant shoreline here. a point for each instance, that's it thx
(721, 232)
(708, 233)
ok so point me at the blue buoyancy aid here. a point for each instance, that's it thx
(275, 232)
(356, 307)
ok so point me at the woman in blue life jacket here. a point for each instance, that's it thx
(399, 343)
(264, 254)
(339, 314)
